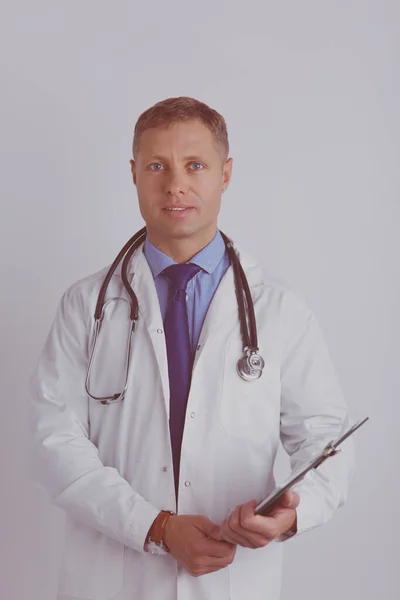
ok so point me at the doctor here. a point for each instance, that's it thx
(190, 436)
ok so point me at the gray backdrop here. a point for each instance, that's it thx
(310, 91)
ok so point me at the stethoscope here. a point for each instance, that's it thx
(249, 366)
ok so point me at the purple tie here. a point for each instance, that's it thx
(179, 355)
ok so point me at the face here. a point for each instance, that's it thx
(180, 167)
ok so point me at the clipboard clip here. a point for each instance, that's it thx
(264, 507)
(332, 448)
(327, 452)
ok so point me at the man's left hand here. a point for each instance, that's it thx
(246, 529)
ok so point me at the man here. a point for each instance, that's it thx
(190, 436)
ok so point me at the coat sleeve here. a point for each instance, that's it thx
(313, 413)
(66, 463)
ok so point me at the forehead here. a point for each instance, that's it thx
(185, 137)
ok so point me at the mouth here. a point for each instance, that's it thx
(177, 211)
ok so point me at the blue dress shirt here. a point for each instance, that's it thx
(214, 262)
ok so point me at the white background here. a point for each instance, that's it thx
(310, 92)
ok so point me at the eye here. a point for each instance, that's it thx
(156, 167)
(195, 166)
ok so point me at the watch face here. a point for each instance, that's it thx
(157, 548)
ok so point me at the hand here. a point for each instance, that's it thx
(245, 528)
(190, 540)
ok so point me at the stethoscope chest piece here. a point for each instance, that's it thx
(250, 366)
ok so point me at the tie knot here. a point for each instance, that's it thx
(180, 275)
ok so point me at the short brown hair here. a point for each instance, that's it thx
(175, 110)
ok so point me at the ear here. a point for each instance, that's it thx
(227, 173)
(133, 170)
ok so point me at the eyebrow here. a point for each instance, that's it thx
(192, 157)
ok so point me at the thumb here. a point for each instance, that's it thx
(215, 533)
(290, 500)
(210, 529)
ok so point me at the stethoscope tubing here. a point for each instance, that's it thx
(249, 367)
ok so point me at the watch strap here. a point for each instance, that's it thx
(154, 541)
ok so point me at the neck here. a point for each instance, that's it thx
(181, 250)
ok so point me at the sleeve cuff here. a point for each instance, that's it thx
(139, 525)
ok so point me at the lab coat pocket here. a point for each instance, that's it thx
(249, 409)
(92, 565)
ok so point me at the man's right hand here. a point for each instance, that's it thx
(189, 538)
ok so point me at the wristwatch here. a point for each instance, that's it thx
(154, 541)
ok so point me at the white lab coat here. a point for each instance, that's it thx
(110, 467)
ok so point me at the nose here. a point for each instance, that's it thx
(176, 184)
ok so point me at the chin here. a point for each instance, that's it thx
(177, 231)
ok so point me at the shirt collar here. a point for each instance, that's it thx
(208, 258)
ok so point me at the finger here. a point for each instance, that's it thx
(290, 500)
(230, 539)
(235, 538)
(254, 525)
(257, 529)
(296, 499)
(207, 564)
(228, 558)
(247, 512)
(219, 549)
(212, 562)
(234, 519)
(246, 538)
(234, 531)
(215, 533)
(207, 527)
(203, 571)
(240, 541)
(212, 535)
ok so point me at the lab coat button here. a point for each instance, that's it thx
(160, 331)
(192, 415)
(164, 469)
(187, 483)
(198, 347)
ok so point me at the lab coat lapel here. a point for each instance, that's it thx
(142, 282)
(221, 307)
(224, 303)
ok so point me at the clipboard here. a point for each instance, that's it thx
(272, 500)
